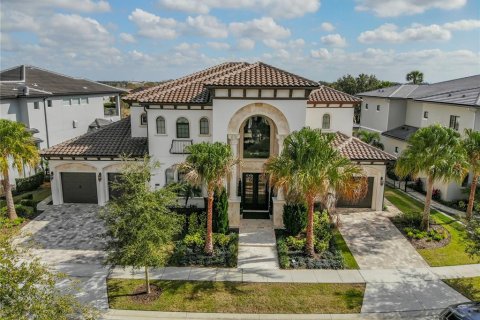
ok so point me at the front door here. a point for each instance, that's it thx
(255, 191)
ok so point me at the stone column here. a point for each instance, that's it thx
(233, 199)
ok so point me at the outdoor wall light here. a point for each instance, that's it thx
(99, 176)
(51, 175)
(382, 182)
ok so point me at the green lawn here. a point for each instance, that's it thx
(350, 262)
(453, 253)
(238, 297)
(469, 287)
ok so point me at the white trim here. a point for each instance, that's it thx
(371, 129)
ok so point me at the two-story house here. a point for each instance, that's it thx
(397, 112)
(53, 106)
(252, 107)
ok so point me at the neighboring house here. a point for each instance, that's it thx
(53, 106)
(397, 112)
(252, 107)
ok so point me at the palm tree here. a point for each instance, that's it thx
(415, 76)
(436, 152)
(310, 166)
(471, 144)
(209, 164)
(372, 138)
(16, 149)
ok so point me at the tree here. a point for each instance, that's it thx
(415, 76)
(311, 166)
(17, 149)
(471, 144)
(436, 152)
(140, 224)
(372, 138)
(28, 289)
(220, 209)
(208, 164)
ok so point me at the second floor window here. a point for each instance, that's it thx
(366, 106)
(161, 125)
(454, 122)
(425, 115)
(183, 128)
(143, 119)
(204, 127)
(36, 105)
(326, 121)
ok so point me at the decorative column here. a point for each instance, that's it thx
(279, 200)
(233, 199)
(280, 139)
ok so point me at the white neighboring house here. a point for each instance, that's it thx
(252, 107)
(397, 112)
(53, 106)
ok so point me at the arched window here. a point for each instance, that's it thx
(143, 119)
(161, 125)
(204, 127)
(256, 138)
(326, 121)
(183, 128)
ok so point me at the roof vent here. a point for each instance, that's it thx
(25, 90)
(449, 95)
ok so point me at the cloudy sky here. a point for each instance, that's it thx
(320, 39)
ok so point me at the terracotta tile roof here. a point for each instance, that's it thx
(194, 88)
(111, 140)
(355, 149)
(326, 94)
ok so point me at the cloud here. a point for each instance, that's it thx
(153, 26)
(334, 40)
(218, 45)
(140, 56)
(462, 25)
(263, 28)
(127, 37)
(245, 44)
(321, 53)
(185, 46)
(390, 33)
(327, 26)
(207, 26)
(394, 8)
(275, 8)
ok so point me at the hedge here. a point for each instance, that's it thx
(31, 183)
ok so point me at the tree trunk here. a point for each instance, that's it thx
(209, 239)
(310, 246)
(12, 214)
(147, 281)
(428, 200)
(471, 198)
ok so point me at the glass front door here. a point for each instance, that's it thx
(255, 191)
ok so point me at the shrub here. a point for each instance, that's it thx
(412, 219)
(295, 244)
(7, 223)
(283, 258)
(430, 235)
(436, 194)
(220, 211)
(31, 183)
(197, 223)
(418, 186)
(24, 211)
(194, 240)
(221, 239)
(294, 218)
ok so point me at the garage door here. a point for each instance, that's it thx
(79, 187)
(364, 203)
(114, 177)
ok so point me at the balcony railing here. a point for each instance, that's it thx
(179, 146)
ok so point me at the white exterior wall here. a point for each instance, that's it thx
(396, 114)
(9, 109)
(138, 130)
(378, 172)
(371, 118)
(414, 116)
(477, 121)
(390, 144)
(339, 119)
(440, 113)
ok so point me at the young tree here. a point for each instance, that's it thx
(415, 76)
(471, 144)
(139, 223)
(209, 164)
(16, 149)
(311, 166)
(372, 138)
(436, 152)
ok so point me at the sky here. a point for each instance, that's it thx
(156, 40)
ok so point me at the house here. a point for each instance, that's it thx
(53, 106)
(397, 112)
(252, 107)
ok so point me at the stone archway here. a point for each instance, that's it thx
(258, 109)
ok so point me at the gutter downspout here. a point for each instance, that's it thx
(46, 121)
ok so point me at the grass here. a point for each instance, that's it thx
(238, 297)
(350, 262)
(449, 255)
(469, 287)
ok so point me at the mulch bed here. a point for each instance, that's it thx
(140, 294)
(424, 244)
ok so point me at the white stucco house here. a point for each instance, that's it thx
(53, 106)
(397, 112)
(252, 107)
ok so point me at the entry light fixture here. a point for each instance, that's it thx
(51, 175)
(382, 182)
(99, 176)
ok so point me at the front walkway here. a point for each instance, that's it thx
(257, 247)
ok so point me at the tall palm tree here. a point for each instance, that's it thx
(415, 76)
(436, 152)
(16, 149)
(471, 144)
(370, 137)
(310, 166)
(209, 164)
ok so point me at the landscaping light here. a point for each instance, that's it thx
(99, 176)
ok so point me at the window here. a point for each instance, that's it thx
(204, 127)
(454, 122)
(396, 149)
(36, 105)
(143, 119)
(326, 121)
(183, 128)
(256, 138)
(180, 176)
(67, 102)
(49, 103)
(366, 106)
(169, 176)
(465, 181)
(161, 125)
(378, 107)
(84, 100)
(425, 115)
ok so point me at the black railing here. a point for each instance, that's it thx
(179, 146)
